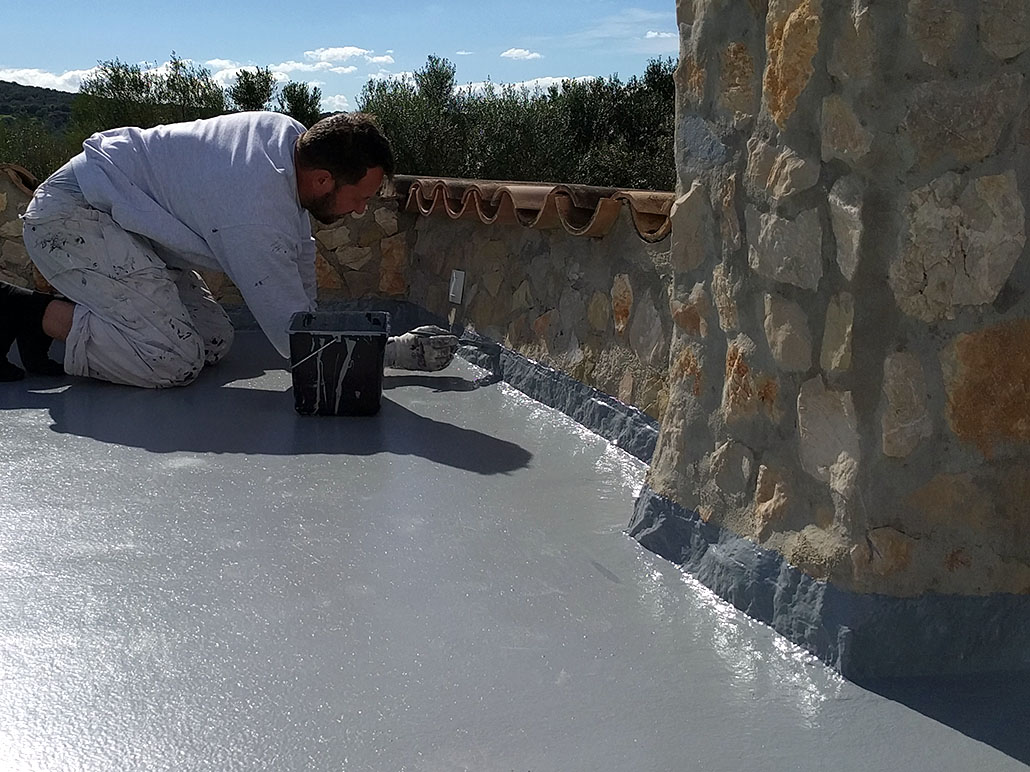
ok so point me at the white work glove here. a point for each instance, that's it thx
(424, 348)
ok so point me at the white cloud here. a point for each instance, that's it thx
(222, 64)
(335, 103)
(385, 59)
(65, 81)
(632, 29)
(464, 53)
(344, 70)
(534, 83)
(520, 53)
(340, 54)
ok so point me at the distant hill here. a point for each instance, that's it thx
(53, 108)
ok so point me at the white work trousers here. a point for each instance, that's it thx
(137, 321)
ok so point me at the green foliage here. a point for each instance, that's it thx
(253, 89)
(301, 102)
(53, 108)
(120, 94)
(597, 132)
(30, 143)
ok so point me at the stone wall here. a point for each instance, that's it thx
(595, 308)
(850, 371)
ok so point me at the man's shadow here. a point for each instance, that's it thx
(245, 405)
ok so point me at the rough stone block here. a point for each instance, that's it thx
(737, 84)
(843, 135)
(854, 50)
(906, 418)
(792, 40)
(828, 430)
(11, 230)
(599, 312)
(1005, 27)
(987, 377)
(837, 334)
(725, 304)
(935, 26)
(692, 230)
(387, 219)
(846, 217)
(786, 330)
(786, 250)
(962, 240)
(962, 120)
(622, 301)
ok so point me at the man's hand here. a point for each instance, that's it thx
(426, 348)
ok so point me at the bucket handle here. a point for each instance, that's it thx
(318, 350)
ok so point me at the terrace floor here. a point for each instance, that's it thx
(200, 579)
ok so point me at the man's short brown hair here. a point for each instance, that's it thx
(346, 145)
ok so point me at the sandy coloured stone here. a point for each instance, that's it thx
(645, 333)
(387, 219)
(523, 297)
(545, 325)
(884, 552)
(771, 499)
(360, 283)
(13, 255)
(692, 316)
(843, 135)
(686, 370)
(11, 230)
(854, 50)
(722, 294)
(692, 229)
(760, 158)
(354, 258)
(571, 308)
(1005, 27)
(729, 223)
(792, 40)
(962, 240)
(732, 464)
(626, 388)
(492, 282)
(737, 80)
(599, 312)
(333, 238)
(326, 275)
(828, 430)
(935, 26)
(786, 330)
(786, 250)
(835, 356)
(790, 174)
(846, 218)
(622, 301)
(690, 78)
(3, 202)
(393, 269)
(906, 418)
(745, 392)
(987, 380)
(962, 120)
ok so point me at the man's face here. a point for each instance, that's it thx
(346, 199)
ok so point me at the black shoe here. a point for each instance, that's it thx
(21, 318)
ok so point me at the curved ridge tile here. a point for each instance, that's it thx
(582, 210)
(22, 178)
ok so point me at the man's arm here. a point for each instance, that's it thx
(264, 264)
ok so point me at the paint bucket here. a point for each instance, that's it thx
(337, 362)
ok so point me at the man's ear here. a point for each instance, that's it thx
(324, 181)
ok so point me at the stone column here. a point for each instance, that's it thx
(850, 374)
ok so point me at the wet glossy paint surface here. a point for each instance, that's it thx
(200, 579)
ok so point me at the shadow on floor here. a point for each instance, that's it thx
(994, 709)
(220, 413)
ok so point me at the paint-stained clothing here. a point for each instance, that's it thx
(213, 194)
(137, 321)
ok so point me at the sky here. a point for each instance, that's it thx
(338, 46)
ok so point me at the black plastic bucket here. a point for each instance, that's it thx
(337, 362)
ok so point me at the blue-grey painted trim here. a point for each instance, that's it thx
(623, 425)
(861, 635)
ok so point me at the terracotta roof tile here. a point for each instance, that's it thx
(20, 176)
(582, 210)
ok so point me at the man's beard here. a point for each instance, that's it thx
(320, 208)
